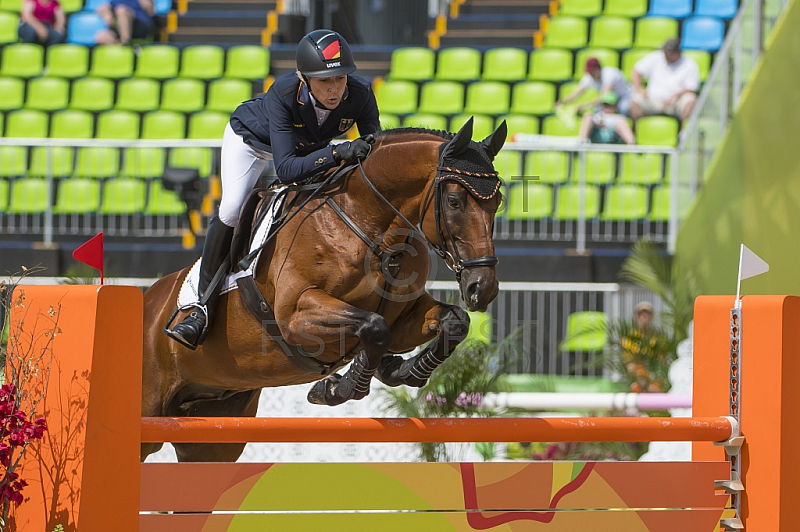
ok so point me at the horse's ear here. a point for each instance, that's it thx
(495, 141)
(460, 142)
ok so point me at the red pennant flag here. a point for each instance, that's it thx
(91, 253)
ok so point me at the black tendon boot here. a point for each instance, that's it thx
(191, 331)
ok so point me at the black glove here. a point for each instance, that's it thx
(353, 151)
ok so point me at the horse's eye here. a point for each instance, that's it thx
(453, 202)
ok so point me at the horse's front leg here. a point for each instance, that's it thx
(322, 319)
(447, 325)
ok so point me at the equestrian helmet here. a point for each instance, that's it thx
(324, 54)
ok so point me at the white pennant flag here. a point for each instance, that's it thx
(750, 265)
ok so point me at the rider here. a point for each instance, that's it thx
(292, 124)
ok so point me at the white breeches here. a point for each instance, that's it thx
(240, 167)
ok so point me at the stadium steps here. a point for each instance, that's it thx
(224, 23)
(495, 23)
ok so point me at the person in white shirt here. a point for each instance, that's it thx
(603, 80)
(672, 83)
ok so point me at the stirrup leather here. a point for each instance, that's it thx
(172, 334)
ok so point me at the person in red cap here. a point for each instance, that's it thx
(602, 80)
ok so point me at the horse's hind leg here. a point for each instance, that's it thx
(321, 319)
(243, 404)
(448, 325)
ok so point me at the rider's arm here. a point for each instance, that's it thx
(369, 121)
(288, 165)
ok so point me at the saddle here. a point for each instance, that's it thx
(252, 213)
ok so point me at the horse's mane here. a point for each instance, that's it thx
(408, 130)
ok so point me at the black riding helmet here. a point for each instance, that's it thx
(324, 54)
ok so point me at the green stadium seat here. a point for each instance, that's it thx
(625, 203)
(508, 164)
(611, 32)
(97, 162)
(601, 168)
(143, 163)
(118, 125)
(112, 61)
(553, 126)
(482, 126)
(157, 61)
(13, 161)
(183, 95)
(488, 97)
(586, 331)
(626, 8)
(92, 94)
(162, 202)
(641, 169)
(202, 61)
(657, 131)
(138, 94)
(660, 208)
(567, 89)
(606, 57)
(71, 6)
(15, 6)
(9, 25)
(124, 196)
(412, 63)
(389, 121)
(580, 8)
(480, 327)
(22, 60)
(3, 195)
(703, 60)
(167, 125)
(397, 97)
(429, 121)
(62, 159)
(529, 201)
(551, 167)
(67, 61)
(459, 64)
(525, 124)
(12, 93)
(72, 124)
(191, 157)
(225, 95)
(568, 204)
(207, 125)
(28, 196)
(631, 57)
(47, 94)
(652, 32)
(533, 97)
(505, 64)
(26, 123)
(443, 97)
(566, 32)
(247, 62)
(550, 65)
(77, 196)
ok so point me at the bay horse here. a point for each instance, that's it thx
(345, 279)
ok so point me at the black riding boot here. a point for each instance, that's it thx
(190, 332)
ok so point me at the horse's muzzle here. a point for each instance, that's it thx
(478, 287)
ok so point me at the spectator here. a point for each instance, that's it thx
(644, 353)
(126, 19)
(606, 126)
(672, 83)
(603, 80)
(42, 22)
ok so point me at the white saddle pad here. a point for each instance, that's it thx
(188, 293)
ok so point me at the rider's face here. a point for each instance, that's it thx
(328, 91)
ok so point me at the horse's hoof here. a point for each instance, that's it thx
(319, 391)
(335, 390)
(395, 371)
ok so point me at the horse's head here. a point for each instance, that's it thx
(466, 195)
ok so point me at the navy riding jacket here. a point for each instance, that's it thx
(283, 122)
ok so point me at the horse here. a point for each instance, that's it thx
(345, 280)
